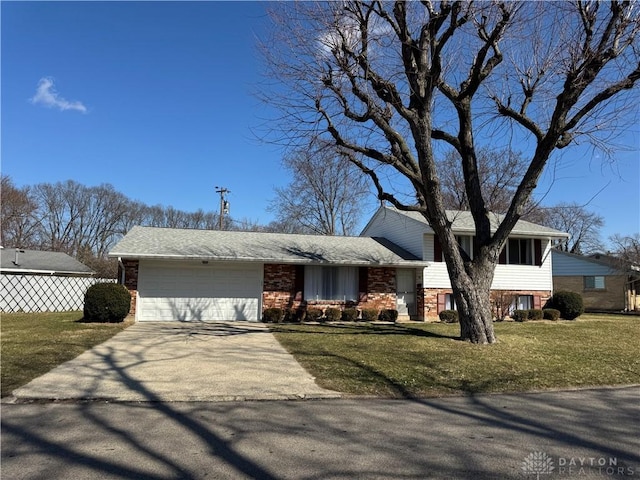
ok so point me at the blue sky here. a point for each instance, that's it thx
(156, 99)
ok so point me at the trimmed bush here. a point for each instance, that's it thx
(333, 314)
(106, 302)
(349, 314)
(295, 315)
(569, 304)
(448, 316)
(520, 315)
(551, 314)
(388, 315)
(369, 315)
(272, 315)
(314, 314)
(535, 314)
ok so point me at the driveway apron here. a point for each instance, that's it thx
(180, 361)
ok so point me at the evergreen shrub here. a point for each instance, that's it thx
(106, 302)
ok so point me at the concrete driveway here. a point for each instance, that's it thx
(180, 361)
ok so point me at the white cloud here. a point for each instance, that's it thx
(47, 96)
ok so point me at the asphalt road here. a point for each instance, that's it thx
(552, 435)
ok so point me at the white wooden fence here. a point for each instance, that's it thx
(44, 293)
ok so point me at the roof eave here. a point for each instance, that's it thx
(288, 261)
(46, 272)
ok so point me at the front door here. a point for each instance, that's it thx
(406, 291)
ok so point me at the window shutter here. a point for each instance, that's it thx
(537, 302)
(442, 299)
(537, 251)
(298, 284)
(437, 249)
(363, 280)
(502, 259)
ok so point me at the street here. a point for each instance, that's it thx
(576, 434)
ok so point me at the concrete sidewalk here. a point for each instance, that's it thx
(180, 361)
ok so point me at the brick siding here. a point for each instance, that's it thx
(612, 297)
(131, 281)
(381, 289)
(279, 289)
(428, 300)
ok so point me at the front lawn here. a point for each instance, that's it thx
(34, 343)
(413, 360)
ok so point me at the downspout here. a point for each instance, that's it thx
(122, 273)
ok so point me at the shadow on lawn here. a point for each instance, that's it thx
(216, 440)
(437, 378)
(359, 329)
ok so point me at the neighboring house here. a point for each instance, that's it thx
(187, 275)
(524, 269)
(39, 281)
(176, 274)
(605, 283)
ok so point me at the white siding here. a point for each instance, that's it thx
(198, 292)
(401, 230)
(507, 277)
(418, 238)
(428, 246)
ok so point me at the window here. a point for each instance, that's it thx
(520, 251)
(466, 244)
(524, 302)
(331, 283)
(449, 302)
(594, 283)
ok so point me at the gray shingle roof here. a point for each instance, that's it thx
(169, 243)
(462, 222)
(36, 261)
(617, 265)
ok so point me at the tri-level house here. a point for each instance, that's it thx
(208, 275)
(524, 269)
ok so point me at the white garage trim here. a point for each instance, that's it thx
(197, 291)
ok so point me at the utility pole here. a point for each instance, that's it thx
(224, 205)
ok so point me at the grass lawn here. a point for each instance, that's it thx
(34, 343)
(413, 360)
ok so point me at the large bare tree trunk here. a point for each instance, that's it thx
(471, 283)
(395, 84)
(471, 293)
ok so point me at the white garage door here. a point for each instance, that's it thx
(198, 292)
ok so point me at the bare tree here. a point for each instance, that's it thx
(171, 217)
(75, 218)
(500, 174)
(59, 207)
(326, 195)
(82, 221)
(502, 301)
(19, 222)
(582, 226)
(627, 248)
(396, 84)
